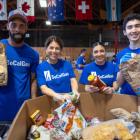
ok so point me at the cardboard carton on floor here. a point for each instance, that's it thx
(93, 105)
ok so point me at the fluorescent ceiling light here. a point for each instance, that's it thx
(43, 3)
(48, 22)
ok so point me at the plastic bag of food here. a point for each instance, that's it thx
(3, 66)
(109, 130)
(58, 134)
(121, 113)
(72, 120)
(128, 117)
(52, 121)
(130, 71)
(42, 133)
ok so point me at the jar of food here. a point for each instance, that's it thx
(37, 118)
(96, 81)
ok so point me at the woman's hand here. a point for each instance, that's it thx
(62, 97)
(108, 90)
(76, 94)
(91, 88)
(66, 97)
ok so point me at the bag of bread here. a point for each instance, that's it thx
(121, 113)
(71, 120)
(3, 66)
(130, 69)
(109, 130)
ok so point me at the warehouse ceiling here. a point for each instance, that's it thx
(127, 6)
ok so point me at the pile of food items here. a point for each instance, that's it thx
(67, 123)
(3, 66)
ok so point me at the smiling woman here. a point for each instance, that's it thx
(99, 53)
(100, 67)
(55, 76)
(54, 47)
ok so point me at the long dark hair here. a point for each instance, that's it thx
(56, 39)
(98, 43)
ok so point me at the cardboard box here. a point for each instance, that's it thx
(94, 105)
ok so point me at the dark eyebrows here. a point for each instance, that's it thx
(130, 26)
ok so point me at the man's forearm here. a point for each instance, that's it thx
(34, 89)
(120, 79)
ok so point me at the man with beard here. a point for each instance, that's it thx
(22, 61)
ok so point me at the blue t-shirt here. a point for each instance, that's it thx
(106, 73)
(123, 56)
(22, 61)
(56, 76)
(80, 61)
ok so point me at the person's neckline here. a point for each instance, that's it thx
(134, 46)
(100, 64)
(15, 46)
(51, 62)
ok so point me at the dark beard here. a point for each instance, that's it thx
(17, 37)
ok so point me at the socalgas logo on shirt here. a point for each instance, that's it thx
(50, 77)
(106, 76)
(103, 76)
(18, 63)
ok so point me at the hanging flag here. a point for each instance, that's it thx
(83, 9)
(3, 10)
(55, 10)
(113, 8)
(27, 6)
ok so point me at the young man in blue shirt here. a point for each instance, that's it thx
(22, 61)
(131, 29)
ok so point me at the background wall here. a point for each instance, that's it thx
(71, 53)
(73, 36)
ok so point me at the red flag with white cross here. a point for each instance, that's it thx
(83, 9)
(27, 6)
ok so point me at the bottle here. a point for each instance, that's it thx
(96, 81)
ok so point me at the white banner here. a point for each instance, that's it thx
(3, 10)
